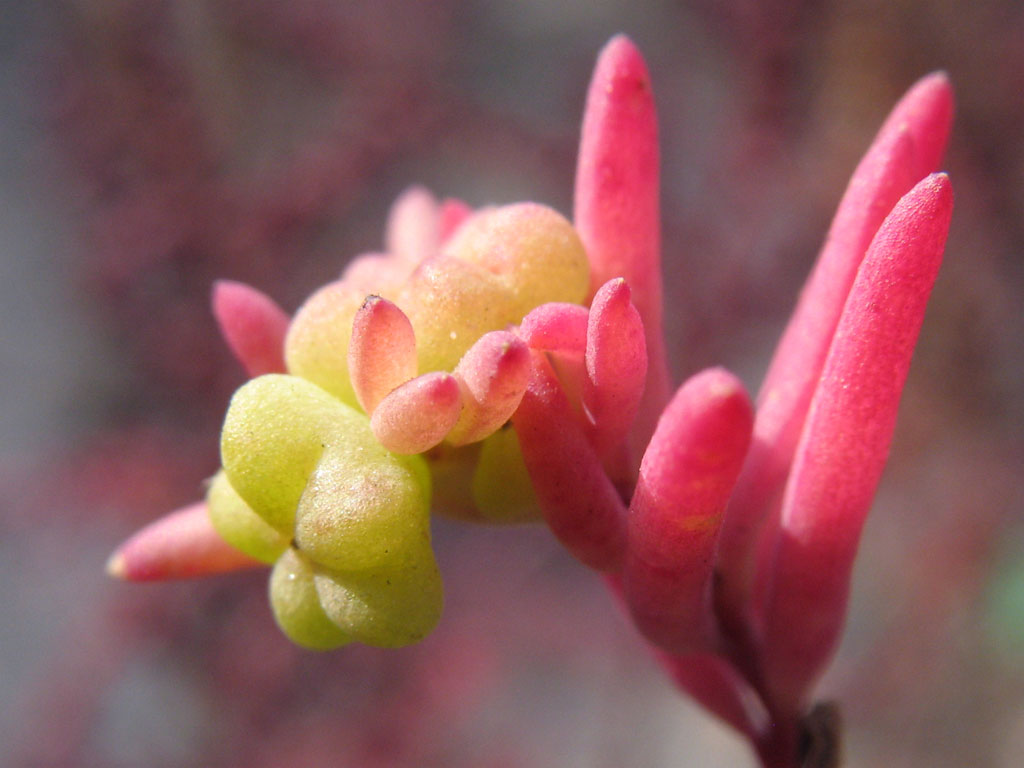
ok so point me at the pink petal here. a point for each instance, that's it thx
(914, 133)
(181, 545)
(556, 327)
(453, 213)
(616, 199)
(581, 505)
(845, 441)
(616, 362)
(253, 326)
(493, 376)
(382, 351)
(417, 416)
(686, 477)
(412, 230)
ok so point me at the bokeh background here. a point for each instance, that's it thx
(147, 148)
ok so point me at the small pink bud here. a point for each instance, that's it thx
(412, 230)
(382, 351)
(493, 376)
(686, 477)
(417, 415)
(181, 545)
(616, 363)
(579, 502)
(556, 327)
(253, 326)
(453, 213)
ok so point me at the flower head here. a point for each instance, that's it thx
(729, 529)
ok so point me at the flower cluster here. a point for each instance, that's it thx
(728, 528)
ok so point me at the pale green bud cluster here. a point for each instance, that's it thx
(307, 487)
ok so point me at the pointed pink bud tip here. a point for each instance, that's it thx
(382, 351)
(181, 545)
(412, 229)
(926, 112)
(616, 361)
(556, 327)
(419, 414)
(253, 326)
(453, 213)
(493, 376)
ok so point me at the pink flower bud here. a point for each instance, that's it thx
(492, 376)
(686, 477)
(180, 545)
(417, 415)
(616, 364)
(253, 326)
(556, 327)
(381, 352)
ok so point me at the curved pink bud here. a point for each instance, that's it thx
(453, 213)
(845, 441)
(556, 327)
(181, 545)
(616, 362)
(252, 324)
(579, 502)
(417, 415)
(412, 229)
(382, 351)
(686, 477)
(915, 133)
(492, 375)
(616, 199)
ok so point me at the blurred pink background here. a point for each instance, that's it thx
(149, 148)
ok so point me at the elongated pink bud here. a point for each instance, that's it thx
(556, 327)
(412, 230)
(181, 545)
(579, 502)
(686, 477)
(492, 376)
(417, 416)
(616, 199)
(453, 213)
(845, 441)
(382, 352)
(253, 326)
(616, 361)
(915, 133)
(926, 113)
